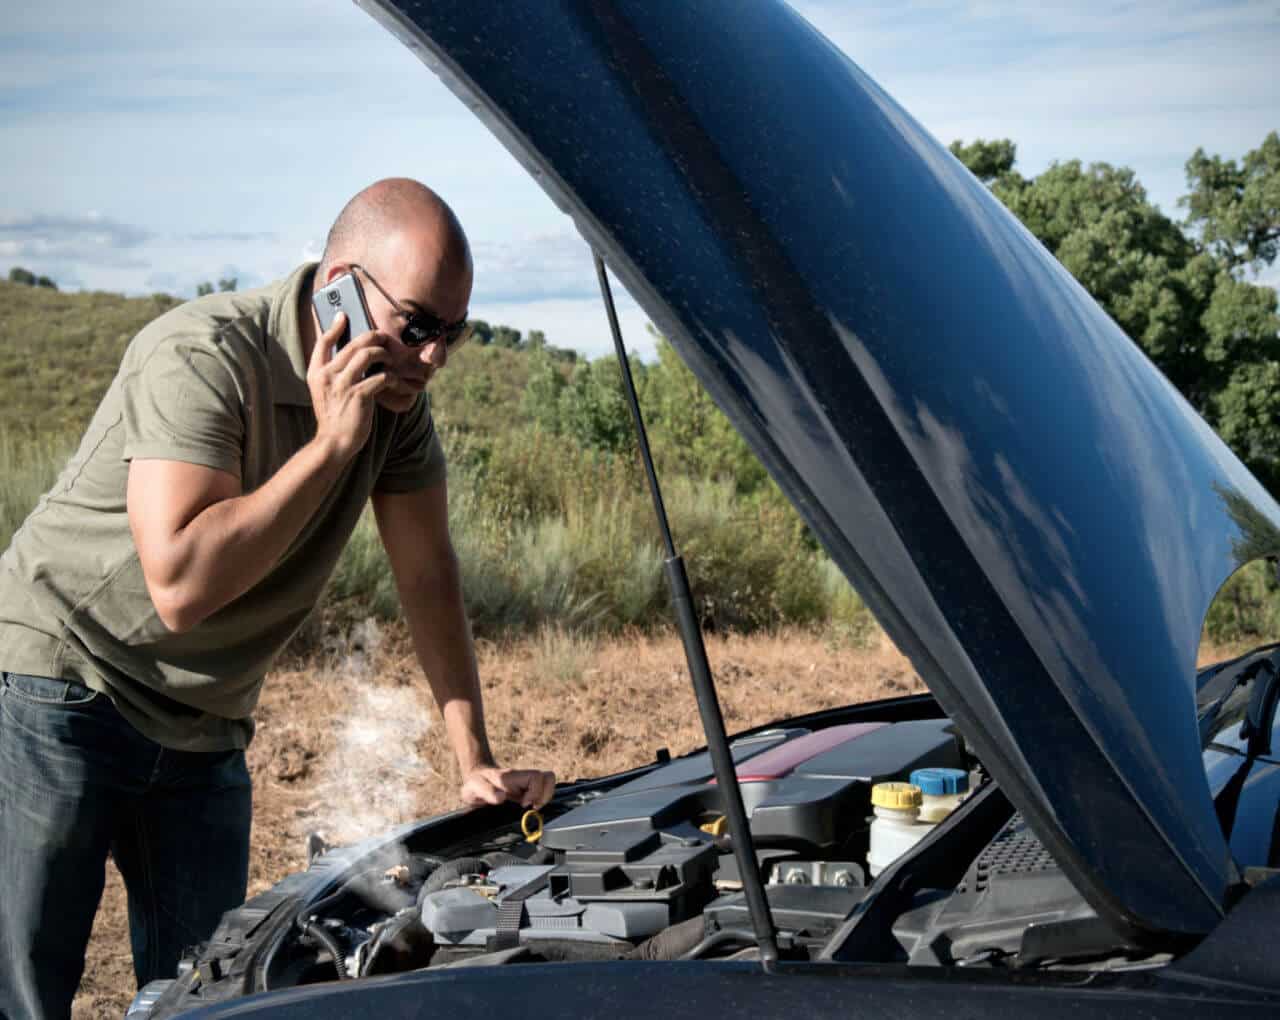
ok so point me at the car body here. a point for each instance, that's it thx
(1032, 512)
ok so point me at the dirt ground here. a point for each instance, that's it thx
(350, 742)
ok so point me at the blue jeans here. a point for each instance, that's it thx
(77, 781)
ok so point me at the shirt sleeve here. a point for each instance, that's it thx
(416, 458)
(183, 404)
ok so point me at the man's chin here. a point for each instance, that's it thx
(397, 400)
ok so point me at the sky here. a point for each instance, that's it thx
(149, 145)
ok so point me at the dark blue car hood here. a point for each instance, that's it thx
(1034, 514)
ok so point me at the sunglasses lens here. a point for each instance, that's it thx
(421, 330)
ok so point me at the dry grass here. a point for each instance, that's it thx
(349, 743)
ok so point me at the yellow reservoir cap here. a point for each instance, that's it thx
(896, 795)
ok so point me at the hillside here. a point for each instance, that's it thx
(59, 352)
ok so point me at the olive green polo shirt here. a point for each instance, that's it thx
(219, 381)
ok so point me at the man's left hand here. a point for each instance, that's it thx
(491, 785)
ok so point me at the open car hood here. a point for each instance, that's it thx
(1032, 512)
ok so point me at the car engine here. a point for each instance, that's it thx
(643, 868)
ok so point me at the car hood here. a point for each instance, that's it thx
(1032, 512)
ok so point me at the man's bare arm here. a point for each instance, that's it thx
(414, 527)
(202, 542)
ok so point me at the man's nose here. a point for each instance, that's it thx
(435, 354)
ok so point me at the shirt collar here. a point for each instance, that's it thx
(284, 335)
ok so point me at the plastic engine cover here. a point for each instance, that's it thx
(591, 900)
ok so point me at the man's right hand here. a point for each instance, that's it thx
(531, 788)
(342, 397)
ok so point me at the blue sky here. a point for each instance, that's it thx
(152, 144)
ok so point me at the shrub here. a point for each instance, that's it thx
(748, 565)
(1247, 606)
(848, 618)
(28, 469)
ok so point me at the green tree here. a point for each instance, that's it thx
(204, 288)
(505, 336)
(540, 401)
(228, 283)
(691, 434)
(1237, 208)
(987, 161)
(29, 279)
(593, 409)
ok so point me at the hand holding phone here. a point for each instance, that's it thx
(343, 295)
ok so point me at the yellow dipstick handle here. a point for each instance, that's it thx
(531, 826)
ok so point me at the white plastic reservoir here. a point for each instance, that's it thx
(896, 827)
(942, 791)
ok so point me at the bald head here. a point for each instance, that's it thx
(395, 219)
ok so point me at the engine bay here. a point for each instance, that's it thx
(645, 870)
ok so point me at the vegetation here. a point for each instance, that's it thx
(59, 352)
(29, 279)
(549, 509)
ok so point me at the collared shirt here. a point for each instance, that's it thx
(221, 382)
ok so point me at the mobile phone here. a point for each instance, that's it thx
(342, 294)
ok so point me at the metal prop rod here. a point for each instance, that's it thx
(699, 669)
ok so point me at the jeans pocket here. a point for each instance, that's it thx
(43, 690)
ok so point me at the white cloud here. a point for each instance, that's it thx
(534, 268)
(92, 239)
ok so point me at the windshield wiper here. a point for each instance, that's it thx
(1255, 729)
(1263, 675)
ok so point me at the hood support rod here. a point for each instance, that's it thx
(699, 669)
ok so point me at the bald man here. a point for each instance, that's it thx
(145, 597)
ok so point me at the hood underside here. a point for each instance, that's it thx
(1033, 513)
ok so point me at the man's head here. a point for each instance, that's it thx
(411, 247)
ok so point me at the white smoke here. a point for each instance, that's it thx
(368, 781)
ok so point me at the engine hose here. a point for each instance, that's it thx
(330, 943)
(451, 871)
(500, 859)
(716, 939)
(670, 943)
(377, 891)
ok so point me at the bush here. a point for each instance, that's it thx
(28, 469)
(848, 618)
(748, 565)
(1246, 607)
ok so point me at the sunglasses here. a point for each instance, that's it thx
(421, 327)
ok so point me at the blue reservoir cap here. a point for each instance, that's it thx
(939, 782)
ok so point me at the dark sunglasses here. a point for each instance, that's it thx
(422, 328)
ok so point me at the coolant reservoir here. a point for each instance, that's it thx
(942, 789)
(896, 827)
